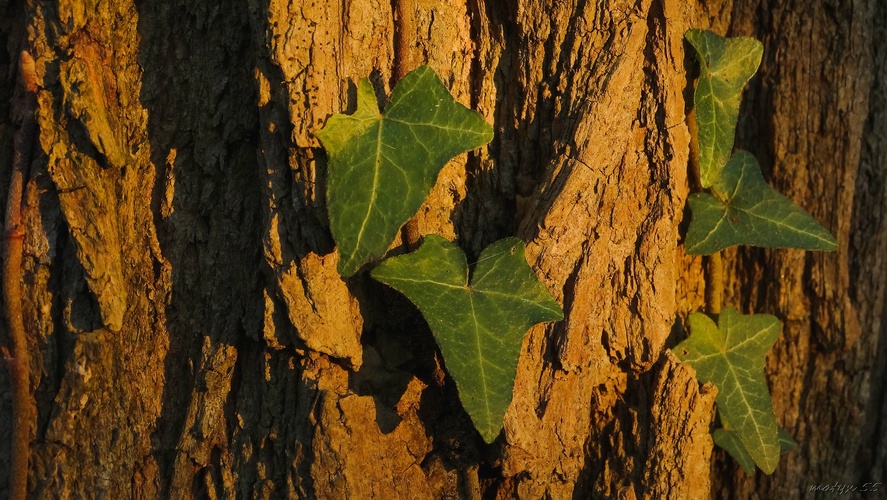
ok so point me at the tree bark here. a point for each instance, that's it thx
(815, 115)
(189, 333)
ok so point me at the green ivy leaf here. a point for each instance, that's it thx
(382, 166)
(728, 439)
(750, 212)
(731, 356)
(726, 65)
(787, 442)
(478, 326)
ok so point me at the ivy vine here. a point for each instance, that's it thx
(382, 166)
(738, 208)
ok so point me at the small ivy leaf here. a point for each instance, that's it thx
(382, 166)
(787, 443)
(751, 213)
(726, 65)
(731, 356)
(478, 326)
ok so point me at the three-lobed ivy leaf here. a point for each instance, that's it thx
(479, 323)
(731, 356)
(382, 166)
(750, 212)
(726, 65)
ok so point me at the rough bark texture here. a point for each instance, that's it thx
(816, 118)
(190, 335)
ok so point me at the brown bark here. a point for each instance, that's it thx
(815, 116)
(18, 357)
(191, 335)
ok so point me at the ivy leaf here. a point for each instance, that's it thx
(750, 212)
(726, 65)
(382, 166)
(731, 356)
(787, 442)
(728, 439)
(478, 326)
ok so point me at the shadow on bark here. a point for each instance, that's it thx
(200, 99)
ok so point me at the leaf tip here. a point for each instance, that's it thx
(347, 267)
(490, 433)
(830, 243)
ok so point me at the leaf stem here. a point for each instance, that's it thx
(404, 25)
(471, 484)
(18, 359)
(410, 234)
(714, 287)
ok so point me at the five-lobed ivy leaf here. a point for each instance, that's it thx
(382, 166)
(726, 65)
(750, 212)
(731, 356)
(479, 325)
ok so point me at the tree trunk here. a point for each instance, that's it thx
(189, 333)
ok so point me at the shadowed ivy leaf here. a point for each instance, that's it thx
(731, 356)
(787, 443)
(480, 325)
(382, 166)
(729, 440)
(750, 212)
(725, 66)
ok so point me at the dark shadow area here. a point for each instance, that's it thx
(677, 334)
(397, 345)
(691, 69)
(487, 213)
(271, 399)
(632, 411)
(201, 102)
(865, 251)
(294, 178)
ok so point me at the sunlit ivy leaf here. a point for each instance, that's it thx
(382, 166)
(750, 212)
(478, 323)
(728, 439)
(726, 65)
(731, 356)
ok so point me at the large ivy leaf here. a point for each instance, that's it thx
(728, 439)
(726, 65)
(382, 166)
(731, 356)
(750, 212)
(478, 326)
